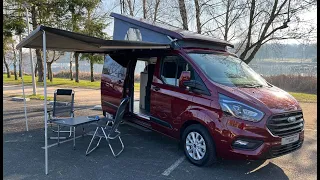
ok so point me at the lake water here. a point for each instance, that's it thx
(265, 68)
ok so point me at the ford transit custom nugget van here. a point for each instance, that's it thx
(198, 92)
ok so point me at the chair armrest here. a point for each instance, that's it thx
(115, 136)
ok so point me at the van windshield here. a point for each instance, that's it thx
(227, 70)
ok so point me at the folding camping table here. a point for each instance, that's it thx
(74, 122)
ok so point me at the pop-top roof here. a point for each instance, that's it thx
(158, 33)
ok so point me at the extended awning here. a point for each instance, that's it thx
(48, 38)
(61, 40)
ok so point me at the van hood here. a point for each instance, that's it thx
(275, 99)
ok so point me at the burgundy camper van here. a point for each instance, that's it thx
(195, 91)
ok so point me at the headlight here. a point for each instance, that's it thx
(239, 110)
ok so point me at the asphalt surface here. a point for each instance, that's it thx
(147, 155)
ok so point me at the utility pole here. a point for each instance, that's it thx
(34, 86)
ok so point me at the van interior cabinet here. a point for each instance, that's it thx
(143, 84)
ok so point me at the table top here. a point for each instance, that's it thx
(75, 121)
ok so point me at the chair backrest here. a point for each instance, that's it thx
(119, 115)
(63, 103)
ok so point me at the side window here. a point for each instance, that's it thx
(112, 68)
(169, 70)
(172, 67)
(184, 66)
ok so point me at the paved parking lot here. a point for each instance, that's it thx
(147, 155)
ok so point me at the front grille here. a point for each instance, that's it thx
(285, 149)
(279, 125)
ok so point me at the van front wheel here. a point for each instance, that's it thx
(198, 145)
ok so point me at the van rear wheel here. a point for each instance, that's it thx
(198, 145)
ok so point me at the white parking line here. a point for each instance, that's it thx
(173, 166)
(51, 145)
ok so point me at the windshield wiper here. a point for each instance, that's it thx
(250, 85)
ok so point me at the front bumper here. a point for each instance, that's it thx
(270, 148)
(281, 150)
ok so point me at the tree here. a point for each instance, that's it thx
(183, 13)
(94, 26)
(52, 56)
(76, 9)
(6, 41)
(131, 6)
(70, 66)
(151, 9)
(226, 16)
(6, 65)
(198, 14)
(14, 60)
(268, 20)
(13, 24)
(92, 59)
(44, 12)
(144, 7)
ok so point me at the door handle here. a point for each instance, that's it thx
(156, 88)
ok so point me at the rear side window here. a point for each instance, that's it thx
(112, 68)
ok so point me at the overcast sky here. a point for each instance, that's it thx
(113, 4)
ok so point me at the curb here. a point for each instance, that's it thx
(97, 107)
(19, 99)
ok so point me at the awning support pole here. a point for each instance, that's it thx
(45, 98)
(24, 96)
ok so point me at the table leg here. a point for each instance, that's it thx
(74, 138)
(83, 131)
(58, 135)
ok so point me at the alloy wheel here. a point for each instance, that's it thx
(195, 145)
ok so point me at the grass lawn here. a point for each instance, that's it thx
(39, 97)
(56, 82)
(303, 97)
(59, 82)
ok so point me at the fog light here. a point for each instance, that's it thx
(241, 143)
(246, 144)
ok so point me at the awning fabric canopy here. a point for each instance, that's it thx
(62, 40)
(48, 38)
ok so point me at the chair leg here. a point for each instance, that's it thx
(108, 141)
(70, 131)
(94, 135)
(122, 148)
(55, 131)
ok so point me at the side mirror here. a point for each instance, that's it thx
(185, 76)
(196, 87)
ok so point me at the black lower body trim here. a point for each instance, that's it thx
(160, 122)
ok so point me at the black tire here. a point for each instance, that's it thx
(210, 156)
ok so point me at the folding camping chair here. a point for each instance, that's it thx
(110, 132)
(63, 107)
